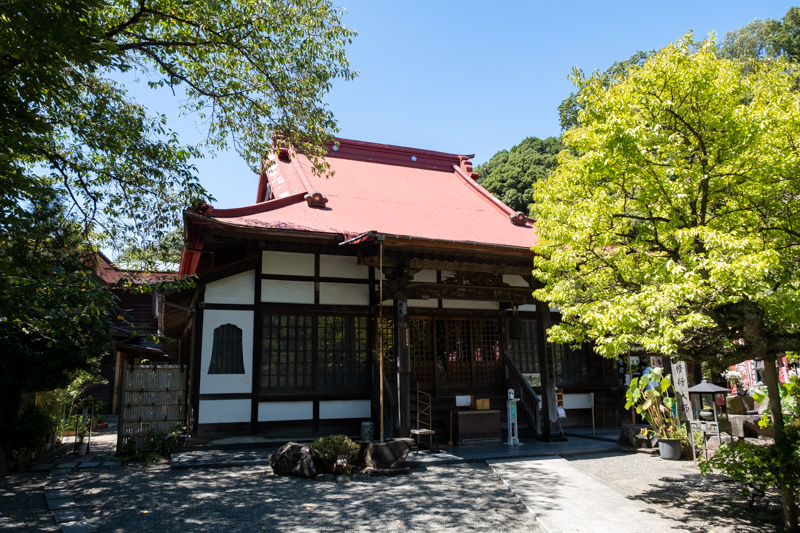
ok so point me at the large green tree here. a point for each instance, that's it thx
(76, 149)
(55, 313)
(673, 223)
(510, 174)
(249, 69)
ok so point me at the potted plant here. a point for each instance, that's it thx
(83, 428)
(733, 377)
(648, 394)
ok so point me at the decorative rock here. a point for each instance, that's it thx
(343, 479)
(385, 455)
(360, 477)
(293, 459)
(325, 477)
(634, 438)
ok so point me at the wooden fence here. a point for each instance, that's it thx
(153, 403)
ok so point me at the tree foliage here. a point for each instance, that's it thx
(248, 68)
(570, 107)
(765, 38)
(82, 163)
(55, 314)
(510, 174)
(673, 224)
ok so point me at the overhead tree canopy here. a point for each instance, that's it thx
(249, 69)
(674, 223)
(82, 163)
(510, 174)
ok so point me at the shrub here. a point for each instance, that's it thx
(336, 453)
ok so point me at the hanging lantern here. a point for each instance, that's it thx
(516, 328)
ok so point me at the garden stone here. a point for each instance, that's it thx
(383, 455)
(293, 459)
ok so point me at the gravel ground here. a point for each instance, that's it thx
(466, 497)
(678, 490)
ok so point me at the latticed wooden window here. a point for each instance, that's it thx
(525, 351)
(303, 352)
(226, 354)
(287, 352)
(342, 352)
(570, 365)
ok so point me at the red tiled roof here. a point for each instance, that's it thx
(396, 191)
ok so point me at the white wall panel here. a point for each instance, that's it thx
(344, 409)
(287, 292)
(223, 383)
(276, 411)
(468, 304)
(236, 289)
(338, 266)
(223, 411)
(428, 304)
(515, 281)
(287, 263)
(343, 294)
(425, 276)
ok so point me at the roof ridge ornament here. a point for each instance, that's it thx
(316, 199)
(519, 218)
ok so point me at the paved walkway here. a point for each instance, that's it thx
(563, 499)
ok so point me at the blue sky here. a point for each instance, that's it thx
(474, 77)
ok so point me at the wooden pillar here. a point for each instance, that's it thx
(403, 359)
(546, 373)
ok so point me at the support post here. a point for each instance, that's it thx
(403, 359)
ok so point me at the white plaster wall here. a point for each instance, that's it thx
(236, 289)
(344, 409)
(515, 281)
(287, 292)
(227, 383)
(429, 304)
(425, 276)
(343, 294)
(337, 266)
(276, 411)
(288, 263)
(470, 304)
(527, 307)
(223, 411)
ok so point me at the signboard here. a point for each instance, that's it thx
(680, 381)
(705, 427)
(464, 401)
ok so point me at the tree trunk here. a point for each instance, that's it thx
(773, 390)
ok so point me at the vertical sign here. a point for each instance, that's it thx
(680, 380)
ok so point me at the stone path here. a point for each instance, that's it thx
(562, 498)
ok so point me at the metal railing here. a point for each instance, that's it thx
(390, 412)
(529, 401)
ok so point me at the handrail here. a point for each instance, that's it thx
(528, 399)
(389, 401)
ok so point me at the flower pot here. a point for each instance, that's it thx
(670, 449)
(82, 446)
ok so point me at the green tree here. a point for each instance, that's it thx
(81, 161)
(249, 69)
(569, 109)
(55, 314)
(510, 174)
(765, 38)
(672, 224)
